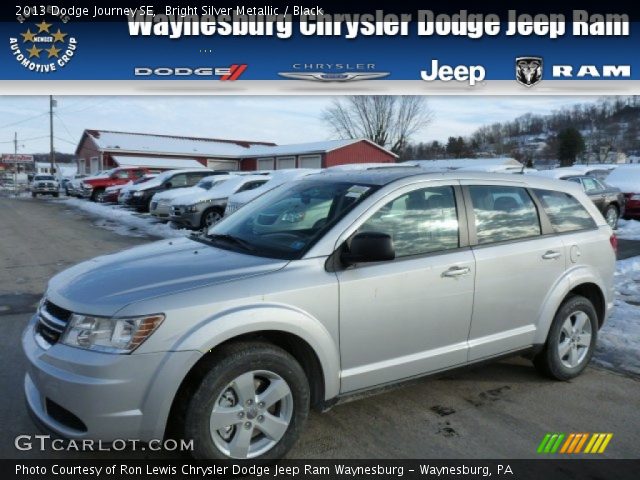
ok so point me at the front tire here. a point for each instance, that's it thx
(210, 217)
(571, 340)
(253, 403)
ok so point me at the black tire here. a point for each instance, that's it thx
(56, 194)
(615, 214)
(227, 364)
(34, 195)
(96, 193)
(66, 192)
(203, 219)
(548, 361)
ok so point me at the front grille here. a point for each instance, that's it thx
(64, 416)
(176, 211)
(52, 321)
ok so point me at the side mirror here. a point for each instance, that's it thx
(369, 247)
(168, 185)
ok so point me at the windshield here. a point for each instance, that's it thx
(44, 177)
(287, 221)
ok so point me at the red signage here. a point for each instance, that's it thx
(16, 158)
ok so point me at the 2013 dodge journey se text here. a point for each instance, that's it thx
(319, 289)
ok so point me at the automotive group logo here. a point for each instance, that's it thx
(229, 73)
(43, 46)
(528, 70)
(333, 72)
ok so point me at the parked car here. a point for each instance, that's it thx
(141, 195)
(599, 171)
(230, 337)
(202, 208)
(75, 185)
(67, 183)
(609, 200)
(160, 206)
(45, 185)
(112, 194)
(627, 179)
(277, 178)
(94, 187)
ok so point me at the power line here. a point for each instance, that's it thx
(25, 120)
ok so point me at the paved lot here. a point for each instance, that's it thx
(500, 410)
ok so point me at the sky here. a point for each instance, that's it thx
(279, 119)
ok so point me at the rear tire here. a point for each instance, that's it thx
(261, 390)
(571, 340)
(33, 195)
(56, 194)
(612, 216)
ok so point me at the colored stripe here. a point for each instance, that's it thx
(591, 442)
(605, 443)
(567, 443)
(543, 443)
(547, 449)
(554, 449)
(582, 440)
(238, 71)
(598, 442)
(574, 443)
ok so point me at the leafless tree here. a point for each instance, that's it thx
(387, 120)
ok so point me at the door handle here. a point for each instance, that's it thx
(550, 255)
(456, 272)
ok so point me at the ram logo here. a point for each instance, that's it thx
(592, 71)
(528, 70)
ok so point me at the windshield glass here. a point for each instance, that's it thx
(287, 221)
(44, 177)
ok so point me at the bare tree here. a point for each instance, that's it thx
(387, 120)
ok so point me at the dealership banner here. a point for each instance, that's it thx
(319, 48)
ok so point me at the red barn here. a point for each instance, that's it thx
(105, 149)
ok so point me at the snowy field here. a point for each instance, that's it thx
(619, 342)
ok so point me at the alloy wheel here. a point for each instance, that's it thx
(575, 339)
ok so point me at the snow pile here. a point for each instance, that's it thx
(619, 340)
(124, 221)
(628, 229)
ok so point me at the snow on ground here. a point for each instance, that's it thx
(618, 345)
(124, 221)
(628, 229)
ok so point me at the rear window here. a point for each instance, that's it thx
(565, 212)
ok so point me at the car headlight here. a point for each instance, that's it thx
(138, 194)
(113, 335)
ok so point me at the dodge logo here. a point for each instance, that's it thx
(528, 70)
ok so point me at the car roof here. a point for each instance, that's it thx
(383, 177)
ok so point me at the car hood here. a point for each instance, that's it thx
(176, 192)
(106, 284)
(194, 197)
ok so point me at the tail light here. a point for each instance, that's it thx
(614, 242)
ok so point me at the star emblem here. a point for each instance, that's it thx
(58, 36)
(34, 52)
(53, 51)
(43, 27)
(28, 36)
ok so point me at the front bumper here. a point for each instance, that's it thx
(83, 394)
(189, 219)
(160, 210)
(44, 189)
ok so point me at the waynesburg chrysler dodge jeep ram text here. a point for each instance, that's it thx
(230, 337)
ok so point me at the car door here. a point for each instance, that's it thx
(411, 315)
(516, 266)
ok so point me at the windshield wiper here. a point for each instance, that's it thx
(231, 239)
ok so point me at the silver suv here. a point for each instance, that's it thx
(318, 290)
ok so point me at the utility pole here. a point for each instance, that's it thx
(52, 152)
(15, 165)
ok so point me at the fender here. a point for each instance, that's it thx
(247, 319)
(573, 277)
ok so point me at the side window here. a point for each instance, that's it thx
(251, 185)
(122, 174)
(503, 213)
(419, 222)
(179, 180)
(590, 184)
(565, 212)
